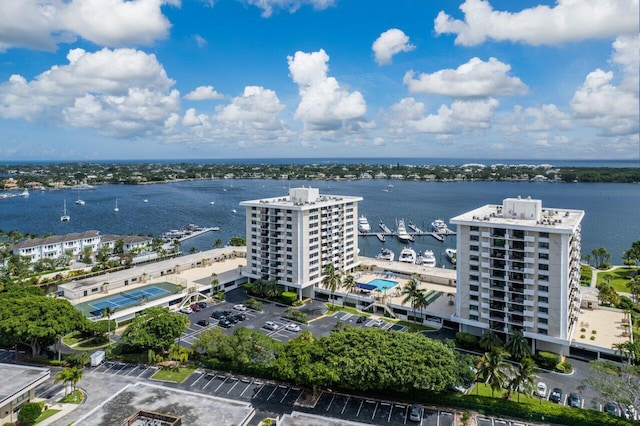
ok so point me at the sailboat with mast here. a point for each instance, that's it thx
(116, 209)
(65, 217)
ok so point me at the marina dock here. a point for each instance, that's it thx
(415, 232)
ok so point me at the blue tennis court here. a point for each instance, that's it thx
(126, 299)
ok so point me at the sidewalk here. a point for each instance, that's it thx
(64, 410)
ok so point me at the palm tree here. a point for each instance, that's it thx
(411, 292)
(523, 378)
(421, 302)
(490, 340)
(349, 283)
(75, 376)
(518, 346)
(628, 349)
(215, 284)
(493, 369)
(331, 279)
(63, 376)
(634, 287)
(107, 312)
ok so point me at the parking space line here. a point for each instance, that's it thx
(360, 407)
(196, 381)
(345, 405)
(390, 411)
(234, 385)
(223, 382)
(285, 395)
(246, 387)
(375, 409)
(209, 378)
(272, 392)
(259, 390)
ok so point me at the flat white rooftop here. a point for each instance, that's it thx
(302, 199)
(523, 213)
(18, 378)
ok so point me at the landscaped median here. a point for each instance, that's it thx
(175, 375)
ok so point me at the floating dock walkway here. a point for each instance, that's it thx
(416, 232)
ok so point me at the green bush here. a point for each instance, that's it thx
(582, 336)
(295, 315)
(350, 304)
(288, 297)
(592, 338)
(565, 367)
(30, 412)
(466, 340)
(583, 329)
(253, 304)
(593, 332)
(547, 360)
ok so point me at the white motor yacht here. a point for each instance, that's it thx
(402, 233)
(451, 254)
(386, 254)
(407, 255)
(427, 258)
(439, 226)
(363, 224)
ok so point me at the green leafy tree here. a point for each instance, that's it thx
(107, 313)
(518, 346)
(29, 412)
(37, 321)
(349, 283)
(331, 279)
(217, 244)
(610, 382)
(494, 369)
(237, 242)
(85, 255)
(155, 328)
(607, 294)
(64, 376)
(411, 293)
(215, 283)
(628, 349)
(634, 287)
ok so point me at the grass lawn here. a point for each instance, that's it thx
(620, 278)
(92, 344)
(173, 375)
(72, 339)
(46, 414)
(483, 389)
(74, 397)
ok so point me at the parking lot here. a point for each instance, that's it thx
(123, 369)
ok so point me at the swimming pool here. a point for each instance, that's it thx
(382, 284)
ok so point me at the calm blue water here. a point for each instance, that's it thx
(383, 284)
(611, 219)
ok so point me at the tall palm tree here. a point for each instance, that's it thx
(493, 369)
(75, 376)
(349, 283)
(411, 294)
(421, 302)
(63, 376)
(628, 349)
(634, 287)
(332, 278)
(523, 378)
(215, 284)
(107, 312)
(490, 340)
(518, 346)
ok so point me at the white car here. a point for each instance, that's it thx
(541, 389)
(240, 307)
(292, 327)
(377, 323)
(270, 325)
(186, 310)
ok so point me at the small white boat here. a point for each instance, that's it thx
(452, 255)
(386, 254)
(79, 201)
(24, 193)
(82, 187)
(427, 258)
(363, 224)
(145, 201)
(116, 209)
(407, 255)
(65, 217)
(402, 233)
(233, 211)
(212, 202)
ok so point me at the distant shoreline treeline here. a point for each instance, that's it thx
(69, 174)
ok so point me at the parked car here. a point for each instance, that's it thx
(612, 407)
(556, 395)
(377, 323)
(202, 304)
(415, 413)
(240, 317)
(360, 320)
(574, 400)
(240, 307)
(203, 323)
(186, 310)
(292, 327)
(227, 312)
(232, 319)
(224, 323)
(270, 325)
(218, 315)
(195, 307)
(541, 389)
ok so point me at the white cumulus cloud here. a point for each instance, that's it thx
(476, 78)
(268, 6)
(324, 104)
(203, 93)
(257, 108)
(42, 25)
(121, 92)
(389, 43)
(568, 20)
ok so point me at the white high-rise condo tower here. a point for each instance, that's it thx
(518, 268)
(290, 239)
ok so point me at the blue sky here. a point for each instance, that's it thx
(163, 79)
